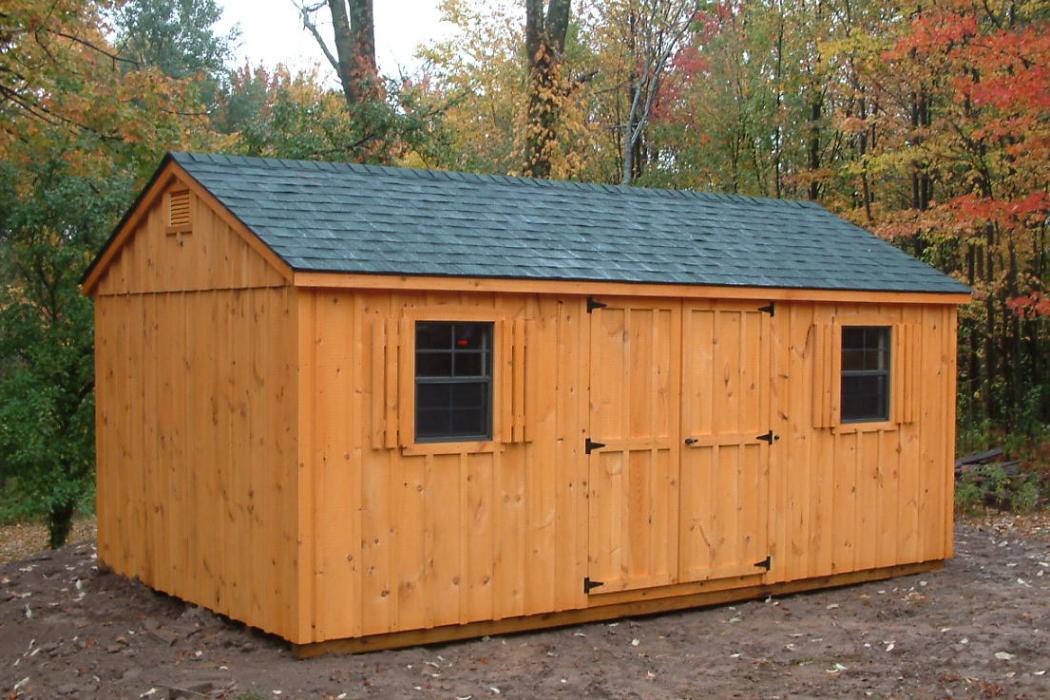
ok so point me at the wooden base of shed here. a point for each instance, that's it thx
(600, 611)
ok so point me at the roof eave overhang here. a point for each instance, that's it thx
(395, 282)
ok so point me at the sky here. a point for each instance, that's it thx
(272, 32)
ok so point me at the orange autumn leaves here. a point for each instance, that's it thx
(62, 80)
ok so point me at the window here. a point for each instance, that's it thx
(865, 373)
(453, 381)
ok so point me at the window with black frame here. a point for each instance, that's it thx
(865, 374)
(453, 381)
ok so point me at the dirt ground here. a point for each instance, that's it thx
(979, 628)
(23, 540)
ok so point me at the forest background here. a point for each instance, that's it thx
(926, 123)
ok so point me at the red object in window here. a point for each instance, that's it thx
(463, 342)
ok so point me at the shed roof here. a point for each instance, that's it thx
(349, 218)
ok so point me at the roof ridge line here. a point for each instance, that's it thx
(483, 178)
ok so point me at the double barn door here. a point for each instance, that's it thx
(678, 469)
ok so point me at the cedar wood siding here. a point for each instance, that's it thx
(196, 419)
(401, 541)
(255, 449)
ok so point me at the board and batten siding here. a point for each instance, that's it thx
(256, 453)
(400, 538)
(196, 406)
(400, 541)
(205, 255)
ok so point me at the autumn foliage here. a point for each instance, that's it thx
(928, 124)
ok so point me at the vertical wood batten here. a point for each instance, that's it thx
(377, 405)
(301, 403)
(797, 442)
(304, 598)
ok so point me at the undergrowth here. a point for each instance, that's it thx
(1021, 488)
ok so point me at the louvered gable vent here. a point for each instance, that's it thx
(179, 211)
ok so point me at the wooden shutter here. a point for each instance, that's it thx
(384, 383)
(511, 376)
(904, 364)
(826, 363)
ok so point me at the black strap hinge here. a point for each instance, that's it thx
(591, 445)
(766, 563)
(769, 437)
(593, 304)
(770, 309)
(589, 585)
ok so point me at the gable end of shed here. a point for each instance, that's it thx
(179, 237)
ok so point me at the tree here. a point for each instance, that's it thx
(477, 74)
(79, 126)
(546, 24)
(966, 90)
(651, 32)
(383, 113)
(354, 58)
(278, 114)
(48, 231)
(179, 38)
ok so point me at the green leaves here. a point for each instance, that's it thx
(81, 126)
(50, 229)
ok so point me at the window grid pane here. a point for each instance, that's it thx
(865, 382)
(453, 381)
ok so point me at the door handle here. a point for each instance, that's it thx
(689, 442)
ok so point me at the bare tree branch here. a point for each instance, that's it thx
(660, 32)
(306, 14)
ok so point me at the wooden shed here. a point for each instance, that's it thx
(362, 407)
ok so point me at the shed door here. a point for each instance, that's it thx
(635, 376)
(725, 466)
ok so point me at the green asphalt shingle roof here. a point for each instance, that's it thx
(339, 217)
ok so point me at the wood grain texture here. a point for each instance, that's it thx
(409, 283)
(196, 451)
(599, 612)
(207, 252)
(498, 531)
(726, 388)
(256, 451)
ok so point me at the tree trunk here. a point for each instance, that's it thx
(545, 43)
(60, 523)
(816, 107)
(991, 357)
(778, 82)
(355, 47)
(973, 357)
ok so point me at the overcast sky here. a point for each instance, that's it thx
(271, 32)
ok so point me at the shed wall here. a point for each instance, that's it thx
(255, 450)
(395, 541)
(395, 537)
(196, 410)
